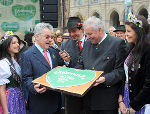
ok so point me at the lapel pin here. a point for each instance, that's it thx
(139, 66)
(53, 56)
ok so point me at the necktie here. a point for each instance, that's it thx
(97, 45)
(79, 44)
(46, 57)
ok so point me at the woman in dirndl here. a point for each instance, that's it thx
(136, 96)
(11, 93)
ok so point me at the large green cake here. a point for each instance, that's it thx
(67, 77)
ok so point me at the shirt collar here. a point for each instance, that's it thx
(39, 48)
(103, 38)
(83, 39)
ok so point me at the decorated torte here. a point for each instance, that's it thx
(67, 77)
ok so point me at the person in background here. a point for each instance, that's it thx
(120, 32)
(136, 96)
(59, 39)
(73, 46)
(102, 52)
(111, 31)
(12, 100)
(65, 37)
(36, 61)
(23, 46)
(28, 38)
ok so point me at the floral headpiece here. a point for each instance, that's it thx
(7, 34)
(133, 19)
(80, 24)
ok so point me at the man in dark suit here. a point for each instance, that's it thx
(73, 47)
(102, 53)
(35, 62)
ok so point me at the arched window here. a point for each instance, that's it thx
(144, 12)
(114, 19)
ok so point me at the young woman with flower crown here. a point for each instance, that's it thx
(136, 95)
(11, 94)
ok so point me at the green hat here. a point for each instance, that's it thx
(73, 22)
(120, 28)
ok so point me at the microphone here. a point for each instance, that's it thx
(59, 49)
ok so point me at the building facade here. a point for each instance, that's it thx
(112, 12)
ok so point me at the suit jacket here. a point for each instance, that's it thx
(139, 83)
(33, 66)
(109, 57)
(73, 50)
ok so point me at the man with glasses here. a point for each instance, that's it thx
(35, 62)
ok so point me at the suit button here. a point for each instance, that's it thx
(129, 78)
(107, 58)
(130, 85)
(130, 91)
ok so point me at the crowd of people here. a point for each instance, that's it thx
(122, 53)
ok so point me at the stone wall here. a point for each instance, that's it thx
(106, 10)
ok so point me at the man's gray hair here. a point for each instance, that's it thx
(40, 26)
(94, 22)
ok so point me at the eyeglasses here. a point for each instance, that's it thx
(46, 36)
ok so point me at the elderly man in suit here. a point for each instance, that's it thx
(102, 53)
(35, 62)
(73, 47)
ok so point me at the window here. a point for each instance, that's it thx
(78, 2)
(75, 2)
(95, 1)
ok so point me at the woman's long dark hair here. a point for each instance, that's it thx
(141, 41)
(4, 49)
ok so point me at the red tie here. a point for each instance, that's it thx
(79, 44)
(46, 57)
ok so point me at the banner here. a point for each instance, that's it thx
(127, 8)
(19, 15)
(128, 2)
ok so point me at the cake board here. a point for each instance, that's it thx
(75, 90)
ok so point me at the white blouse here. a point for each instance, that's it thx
(5, 72)
(126, 71)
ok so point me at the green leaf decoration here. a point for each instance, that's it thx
(66, 77)
(34, 1)
(24, 13)
(6, 2)
(13, 26)
(53, 56)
